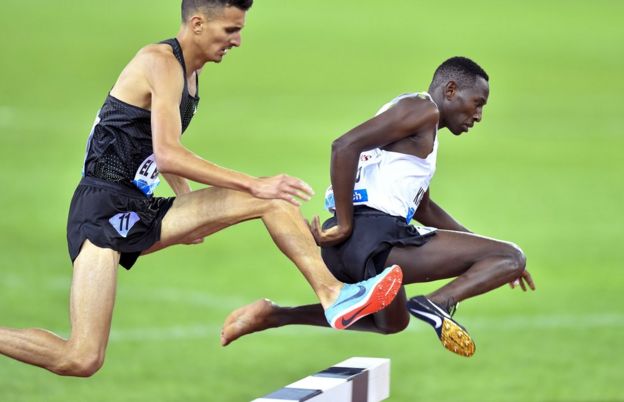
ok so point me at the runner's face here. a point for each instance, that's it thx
(221, 33)
(466, 106)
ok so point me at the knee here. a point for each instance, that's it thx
(515, 259)
(394, 327)
(279, 206)
(84, 364)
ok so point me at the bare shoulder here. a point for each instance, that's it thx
(418, 108)
(414, 113)
(157, 58)
(153, 68)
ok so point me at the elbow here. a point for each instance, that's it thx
(344, 147)
(164, 161)
(339, 145)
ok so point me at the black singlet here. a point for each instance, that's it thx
(119, 149)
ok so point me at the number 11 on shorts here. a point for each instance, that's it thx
(123, 222)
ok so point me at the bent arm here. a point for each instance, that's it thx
(406, 118)
(178, 184)
(431, 214)
(166, 85)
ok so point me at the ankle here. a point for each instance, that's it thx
(445, 303)
(328, 294)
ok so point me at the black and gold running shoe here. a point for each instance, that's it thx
(453, 336)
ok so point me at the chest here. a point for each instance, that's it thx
(191, 84)
(419, 145)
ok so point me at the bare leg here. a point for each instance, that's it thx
(480, 264)
(201, 213)
(91, 307)
(264, 314)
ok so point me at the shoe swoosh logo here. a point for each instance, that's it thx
(347, 321)
(435, 318)
(361, 291)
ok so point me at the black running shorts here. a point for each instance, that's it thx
(114, 216)
(375, 233)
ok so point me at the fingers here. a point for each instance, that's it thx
(315, 228)
(304, 191)
(291, 199)
(316, 225)
(295, 188)
(283, 187)
(529, 280)
(522, 285)
(523, 281)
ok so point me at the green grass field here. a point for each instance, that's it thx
(544, 169)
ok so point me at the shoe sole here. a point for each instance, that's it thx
(456, 339)
(379, 298)
(452, 336)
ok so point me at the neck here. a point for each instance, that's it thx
(437, 95)
(193, 57)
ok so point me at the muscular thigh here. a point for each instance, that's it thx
(200, 213)
(94, 284)
(448, 254)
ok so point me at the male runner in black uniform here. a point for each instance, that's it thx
(114, 217)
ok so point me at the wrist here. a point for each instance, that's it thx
(249, 184)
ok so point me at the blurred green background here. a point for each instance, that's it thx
(544, 169)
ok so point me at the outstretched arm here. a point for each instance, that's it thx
(431, 214)
(166, 84)
(408, 117)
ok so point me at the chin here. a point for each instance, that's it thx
(456, 131)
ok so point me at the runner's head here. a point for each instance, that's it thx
(215, 25)
(461, 89)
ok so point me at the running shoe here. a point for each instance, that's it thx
(360, 299)
(453, 336)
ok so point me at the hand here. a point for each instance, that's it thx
(330, 237)
(524, 280)
(282, 187)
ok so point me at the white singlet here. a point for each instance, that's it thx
(391, 182)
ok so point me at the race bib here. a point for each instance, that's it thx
(146, 177)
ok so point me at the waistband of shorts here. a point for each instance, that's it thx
(366, 210)
(118, 188)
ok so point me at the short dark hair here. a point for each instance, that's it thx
(462, 70)
(208, 6)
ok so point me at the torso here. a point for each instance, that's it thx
(119, 148)
(393, 179)
(132, 86)
(419, 144)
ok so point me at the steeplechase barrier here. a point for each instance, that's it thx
(358, 379)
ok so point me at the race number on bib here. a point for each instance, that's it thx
(146, 177)
(123, 222)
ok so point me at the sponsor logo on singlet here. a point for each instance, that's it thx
(359, 196)
(123, 222)
(146, 177)
(412, 209)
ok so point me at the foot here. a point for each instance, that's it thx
(363, 298)
(251, 318)
(453, 336)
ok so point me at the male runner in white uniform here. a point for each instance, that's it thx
(380, 173)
